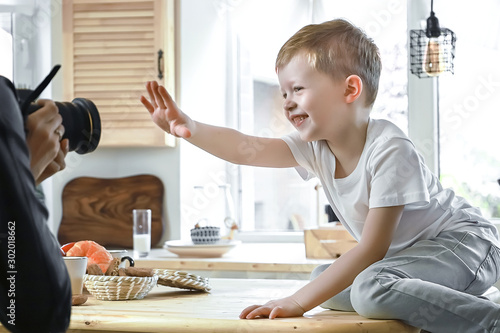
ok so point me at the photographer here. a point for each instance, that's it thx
(35, 291)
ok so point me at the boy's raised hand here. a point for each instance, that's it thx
(165, 112)
(285, 307)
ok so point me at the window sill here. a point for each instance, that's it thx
(292, 236)
(271, 237)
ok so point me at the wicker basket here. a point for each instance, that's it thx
(118, 288)
(183, 280)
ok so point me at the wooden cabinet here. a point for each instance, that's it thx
(111, 48)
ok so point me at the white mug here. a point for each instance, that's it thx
(122, 255)
(76, 267)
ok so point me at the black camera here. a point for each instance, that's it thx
(80, 117)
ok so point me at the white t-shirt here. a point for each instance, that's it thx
(390, 172)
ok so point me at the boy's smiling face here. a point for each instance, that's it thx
(313, 101)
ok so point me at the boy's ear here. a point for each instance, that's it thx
(354, 88)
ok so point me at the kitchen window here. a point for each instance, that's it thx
(6, 56)
(24, 32)
(278, 201)
(468, 106)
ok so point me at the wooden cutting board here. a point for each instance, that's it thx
(100, 209)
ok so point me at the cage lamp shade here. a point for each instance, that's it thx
(432, 51)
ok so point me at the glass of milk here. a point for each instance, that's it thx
(142, 232)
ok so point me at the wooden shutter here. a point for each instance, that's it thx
(110, 50)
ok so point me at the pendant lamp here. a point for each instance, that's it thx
(432, 50)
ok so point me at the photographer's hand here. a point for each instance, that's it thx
(44, 134)
(57, 164)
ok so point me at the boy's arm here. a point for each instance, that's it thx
(225, 143)
(239, 148)
(377, 236)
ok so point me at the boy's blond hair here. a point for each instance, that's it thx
(339, 49)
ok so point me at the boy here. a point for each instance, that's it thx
(423, 253)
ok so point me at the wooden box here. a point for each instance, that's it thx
(327, 242)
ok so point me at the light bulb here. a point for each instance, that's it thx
(434, 63)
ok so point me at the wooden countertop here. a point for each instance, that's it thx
(256, 257)
(167, 309)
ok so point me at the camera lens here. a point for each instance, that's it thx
(80, 118)
(82, 124)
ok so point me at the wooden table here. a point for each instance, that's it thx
(167, 309)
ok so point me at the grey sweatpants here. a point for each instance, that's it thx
(433, 285)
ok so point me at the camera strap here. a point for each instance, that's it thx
(41, 87)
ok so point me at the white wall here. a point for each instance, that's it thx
(203, 97)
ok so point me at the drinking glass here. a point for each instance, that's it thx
(142, 232)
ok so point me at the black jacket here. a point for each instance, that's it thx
(35, 290)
